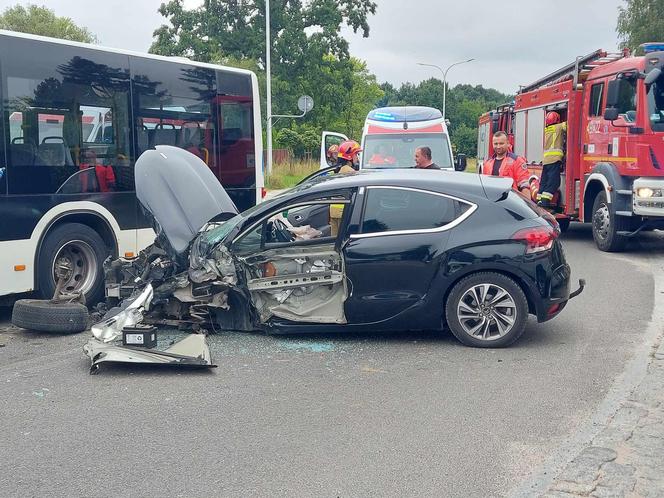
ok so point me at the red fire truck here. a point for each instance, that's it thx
(614, 162)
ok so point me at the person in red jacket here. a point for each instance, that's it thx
(507, 164)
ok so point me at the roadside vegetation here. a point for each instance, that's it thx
(343, 88)
(289, 174)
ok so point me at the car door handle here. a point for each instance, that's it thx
(297, 217)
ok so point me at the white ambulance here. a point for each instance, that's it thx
(391, 135)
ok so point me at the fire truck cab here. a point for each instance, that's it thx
(613, 174)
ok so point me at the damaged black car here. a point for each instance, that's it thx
(376, 250)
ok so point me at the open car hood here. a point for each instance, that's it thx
(181, 194)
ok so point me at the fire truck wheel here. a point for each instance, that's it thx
(564, 224)
(606, 226)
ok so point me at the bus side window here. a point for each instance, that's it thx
(46, 91)
(175, 107)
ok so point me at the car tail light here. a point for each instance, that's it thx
(263, 192)
(537, 239)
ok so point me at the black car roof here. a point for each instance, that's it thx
(448, 182)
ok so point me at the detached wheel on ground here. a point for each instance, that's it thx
(487, 310)
(84, 250)
(606, 225)
(50, 316)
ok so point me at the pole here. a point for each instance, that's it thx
(444, 73)
(268, 50)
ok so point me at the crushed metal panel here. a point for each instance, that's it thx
(305, 284)
(132, 314)
(192, 351)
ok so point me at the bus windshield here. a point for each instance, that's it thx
(656, 104)
(397, 150)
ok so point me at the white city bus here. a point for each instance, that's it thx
(74, 119)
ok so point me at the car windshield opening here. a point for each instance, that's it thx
(398, 150)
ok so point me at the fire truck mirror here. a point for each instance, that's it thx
(612, 96)
(611, 113)
(653, 75)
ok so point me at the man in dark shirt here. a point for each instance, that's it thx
(423, 159)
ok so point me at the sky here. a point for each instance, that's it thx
(513, 42)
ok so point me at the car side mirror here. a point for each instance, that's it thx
(611, 113)
(461, 162)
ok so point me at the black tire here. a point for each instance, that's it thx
(495, 280)
(47, 316)
(606, 225)
(564, 224)
(92, 248)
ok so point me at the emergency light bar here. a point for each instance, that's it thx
(383, 116)
(652, 47)
(406, 114)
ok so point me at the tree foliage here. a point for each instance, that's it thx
(301, 31)
(464, 105)
(309, 56)
(42, 21)
(640, 21)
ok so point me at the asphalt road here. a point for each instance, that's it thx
(372, 415)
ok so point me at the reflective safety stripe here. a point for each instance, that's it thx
(553, 152)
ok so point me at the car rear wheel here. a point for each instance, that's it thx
(487, 310)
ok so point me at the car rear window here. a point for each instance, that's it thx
(519, 206)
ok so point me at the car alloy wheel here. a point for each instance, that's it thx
(487, 312)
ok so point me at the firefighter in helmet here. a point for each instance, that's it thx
(348, 157)
(348, 162)
(332, 155)
(554, 143)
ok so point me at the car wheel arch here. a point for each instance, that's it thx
(528, 292)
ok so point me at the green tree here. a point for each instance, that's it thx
(42, 21)
(464, 105)
(465, 139)
(236, 28)
(640, 21)
(309, 54)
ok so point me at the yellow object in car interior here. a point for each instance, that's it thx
(336, 210)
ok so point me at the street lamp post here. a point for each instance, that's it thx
(444, 77)
(268, 50)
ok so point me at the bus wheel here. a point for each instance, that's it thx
(606, 226)
(83, 250)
